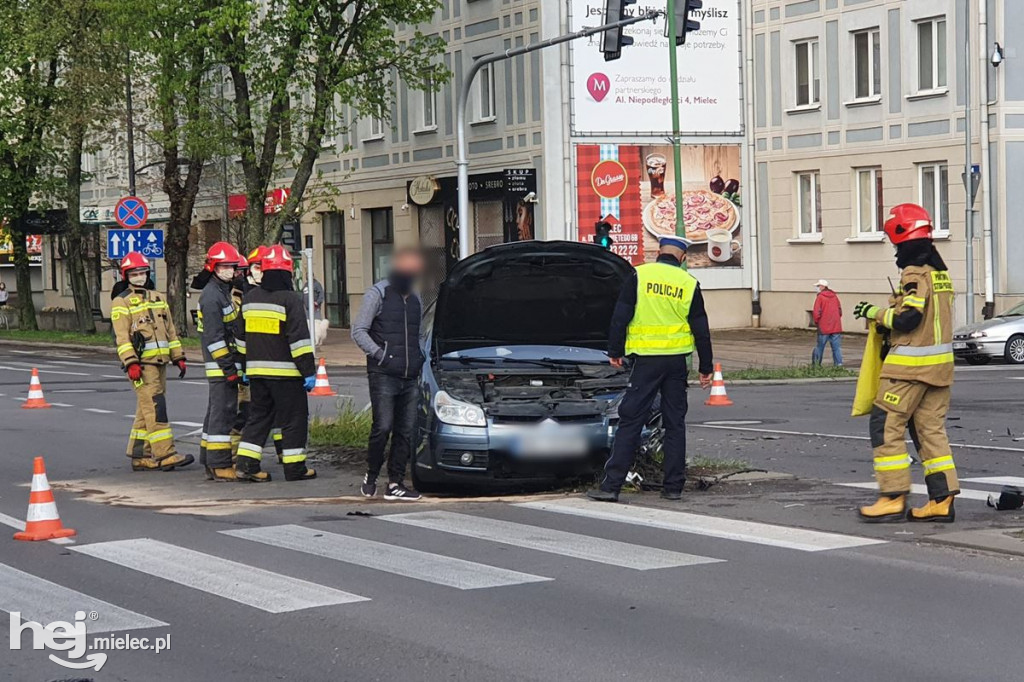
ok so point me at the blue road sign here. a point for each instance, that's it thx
(150, 243)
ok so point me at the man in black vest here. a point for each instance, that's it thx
(387, 329)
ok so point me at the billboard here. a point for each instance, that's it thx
(33, 244)
(632, 95)
(633, 188)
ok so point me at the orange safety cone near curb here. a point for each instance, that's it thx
(43, 522)
(323, 386)
(718, 398)
(35, 400)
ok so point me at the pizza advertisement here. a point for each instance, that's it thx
(632, 187)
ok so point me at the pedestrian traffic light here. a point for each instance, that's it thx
(684, 24)
(612, 40)
(602, 234)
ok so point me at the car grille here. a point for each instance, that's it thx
(564, 419)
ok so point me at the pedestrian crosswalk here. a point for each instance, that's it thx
(477, 535)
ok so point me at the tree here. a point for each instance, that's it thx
(290, 63)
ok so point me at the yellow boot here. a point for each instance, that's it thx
(935, 510)
(225, 474)
(885, 509)
(145, 464)
(169, 462)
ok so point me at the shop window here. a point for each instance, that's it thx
(382, 241)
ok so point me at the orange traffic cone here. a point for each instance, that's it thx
(35, 393)
(43, 522)
(323, 386)
(718, 398)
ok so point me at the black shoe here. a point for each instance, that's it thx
(369, 487)
(602, 495)
(671, 494)
(397, 491)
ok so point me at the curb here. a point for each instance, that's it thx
(986, 540)
(783, 382)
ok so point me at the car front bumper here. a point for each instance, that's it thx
(984, 347)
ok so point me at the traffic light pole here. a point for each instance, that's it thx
(463, 101)
(673, 75)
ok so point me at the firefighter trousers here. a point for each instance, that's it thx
(244, 399)
(215, 444)
(921, 408)
(151, 432)
(280, 402)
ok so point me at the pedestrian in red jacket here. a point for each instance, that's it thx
(828, 318)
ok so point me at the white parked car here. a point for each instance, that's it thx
(1000, 337)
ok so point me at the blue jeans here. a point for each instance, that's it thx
(819, 351)
(393, 402)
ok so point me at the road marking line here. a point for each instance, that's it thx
(921, 489)
(264, 590)
(410, 563)
(61, 405)
(77, 364)
(73, 390)
(997, 480)
(552, 541)
(712, 526)
(844, 436)
(112, 376)
(97, 410)
(190, 425)
(18, 524)
(24, 399)
(44, 602)
(194, 383)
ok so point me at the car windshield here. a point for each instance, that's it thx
(1016, 311)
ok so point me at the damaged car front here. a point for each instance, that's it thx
(517, 387)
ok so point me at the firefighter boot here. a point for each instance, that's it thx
(145, 464)
(887, 508)
(298, 471)
(225, 474)
(940, 511)
(247, 470)
(169, 462)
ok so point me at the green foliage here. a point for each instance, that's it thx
(351, 428)
(795, 372)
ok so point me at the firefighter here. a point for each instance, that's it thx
(916, 376)
(239, 286)
(278, 359)
(146, 343)
(217, 315)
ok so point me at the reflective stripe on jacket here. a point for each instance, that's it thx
(924, 353)
(143, 330)
(660, 324)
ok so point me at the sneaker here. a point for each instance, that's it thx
(397, 491)
(369, 487)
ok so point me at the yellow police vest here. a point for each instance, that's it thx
(661, 324)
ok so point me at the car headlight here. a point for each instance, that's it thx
(977, 335)
(457, 413)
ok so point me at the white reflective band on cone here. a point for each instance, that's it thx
(39, 483)
(42, 511)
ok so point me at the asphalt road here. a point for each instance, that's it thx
(628, 594)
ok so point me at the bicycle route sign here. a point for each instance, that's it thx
(150, 243)
(131, 213)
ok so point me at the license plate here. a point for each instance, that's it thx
(552, 443)
(959, 345)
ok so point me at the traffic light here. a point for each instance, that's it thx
(684, 24)
(613, 40)
(603, 234)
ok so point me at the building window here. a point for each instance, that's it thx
(867, 63)
(870, 205)
(931, 54)
(376, 128)
(808, 82)
(484, 97)
(934, 183)
(382, 240)
(808, 190)
(334, 269)
(428, 106)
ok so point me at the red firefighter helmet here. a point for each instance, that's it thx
(243, 262)
(256, 255)
(907, 222)
(133, 261)
(222, 253)
(277, 258)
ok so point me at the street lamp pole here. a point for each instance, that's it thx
(463, 101)
(673, 70)
(130, 124)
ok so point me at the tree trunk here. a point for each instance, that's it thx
(176, 256)
(23, 273)
(75, 261)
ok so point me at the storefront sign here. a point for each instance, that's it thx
(423, 189)
(33, 244)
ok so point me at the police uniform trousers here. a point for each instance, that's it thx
(281, 403)
(650, 375)
(215, 443)
(922, 408)
(151, 432)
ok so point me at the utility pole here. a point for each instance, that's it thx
(968, 176)
(130, 123)
(673, 75)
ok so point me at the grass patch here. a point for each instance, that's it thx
(795, 372)
(350, 429)
(701, 465)
(1019, 535)
(99, 339)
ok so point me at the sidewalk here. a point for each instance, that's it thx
(734, 348)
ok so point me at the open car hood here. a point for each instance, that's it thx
(556, 293)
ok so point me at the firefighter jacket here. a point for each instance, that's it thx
(143, 329)
(218, 317)
(922, 351)
(273, 337)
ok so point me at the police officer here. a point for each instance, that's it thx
(278, 359)
(659, 321)
(146, 343)
(217, 315)
(917, 373)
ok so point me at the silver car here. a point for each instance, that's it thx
(1000, 337)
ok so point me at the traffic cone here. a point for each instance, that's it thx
(43, 522)
(718, 398)
(35, 400)
(323, 386)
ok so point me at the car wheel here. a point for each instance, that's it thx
(1015, 350)
(978, 359)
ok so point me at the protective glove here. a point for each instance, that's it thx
(309, 383)
(232, 379)
(134, 371)
(865, 310)
(245, 379)
(182, 367)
